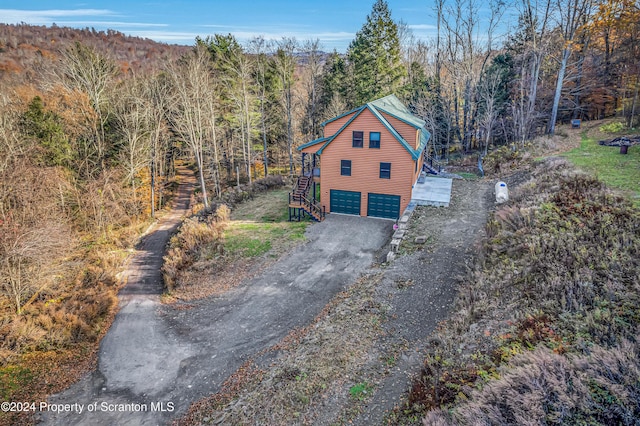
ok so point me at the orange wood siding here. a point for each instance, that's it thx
(312, 149)
(365, 163)
(331, 128)
(407, 131)
(419, 169)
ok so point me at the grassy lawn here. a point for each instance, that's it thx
(261, 225)
(618, 171)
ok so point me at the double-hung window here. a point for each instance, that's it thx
(345, 167)
(385, 170)
(358, 137)
(374, 140)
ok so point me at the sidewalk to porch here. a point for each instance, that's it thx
(432, 191)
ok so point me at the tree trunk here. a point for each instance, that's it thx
(290, 130)
(634, 104)
(203, 187)
(556, 99)
(264, 138)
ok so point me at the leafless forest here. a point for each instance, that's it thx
(92, 125)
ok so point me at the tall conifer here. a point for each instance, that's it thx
(375, 57)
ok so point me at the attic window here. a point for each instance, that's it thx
(374, 140)
(358, 138)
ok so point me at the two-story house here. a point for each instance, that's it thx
(366, 163)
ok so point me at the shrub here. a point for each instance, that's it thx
(504, 159)
(194, 233)
(541, 387)
(614, 127)
(557, 275)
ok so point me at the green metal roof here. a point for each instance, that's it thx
(395, 108)
(340, 116)
(312, 143)
(391, 106)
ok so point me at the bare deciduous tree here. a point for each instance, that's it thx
(259, 48)
(34, 234)
(87, 70)
(311, 79)
(238, 77)
(571, 16)
(284, 61)
(131, 115)
(192, 105)
(157, 95)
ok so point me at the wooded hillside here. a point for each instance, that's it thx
(92, 123)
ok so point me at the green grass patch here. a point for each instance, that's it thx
(468, 175)
(616, 170)
(12, 378)
(360, 391)
(261, 225)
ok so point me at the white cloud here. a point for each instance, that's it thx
(76, 18)
(330, 39)
(109, 24)
(166, 36)
(422, 27)
(46, 17)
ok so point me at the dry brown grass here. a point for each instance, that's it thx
(53, 341)
(194, 235)
(599, 387)
(206, 278)
(506, 160)
(558, 273)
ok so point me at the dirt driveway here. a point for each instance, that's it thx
(356, 363)
(158, 359)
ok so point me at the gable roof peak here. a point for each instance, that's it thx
(389, 105)
(393, 106)
(389, 100)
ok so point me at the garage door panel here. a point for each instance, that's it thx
(346, 202)
(383, 205)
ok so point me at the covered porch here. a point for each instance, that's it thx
(304, 198)
(311, 165)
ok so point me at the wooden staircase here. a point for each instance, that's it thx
(302, 186)
(431, 165)
(300, 203)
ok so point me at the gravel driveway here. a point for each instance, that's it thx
(157, 359)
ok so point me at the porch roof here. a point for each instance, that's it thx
(313, 146)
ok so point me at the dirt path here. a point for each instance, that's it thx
(136, 337)
(419, 289)
(158, 359)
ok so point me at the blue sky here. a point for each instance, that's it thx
(334, 22)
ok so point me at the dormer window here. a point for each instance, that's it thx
(358, 138)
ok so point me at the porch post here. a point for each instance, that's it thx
(313, 169)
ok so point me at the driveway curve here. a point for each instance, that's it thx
(157, 359)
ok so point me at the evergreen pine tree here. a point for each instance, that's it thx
(375, 57)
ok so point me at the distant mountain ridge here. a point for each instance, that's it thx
(23, 47)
